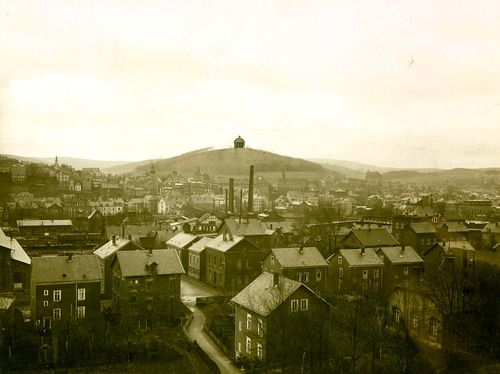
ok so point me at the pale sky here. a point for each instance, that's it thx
(393, 83)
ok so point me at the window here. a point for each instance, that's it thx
(249, 321)
(57, 295)
(435, 327)
(260, 327)
(249, 345)
(149, 284)
(318, 275)
(56, 313)
(45, 292)
(341, 272)
(80, 312)
(375, 273)
(81, 294)
(339, 260)
(365, 287)
(240, 325)
(365, 274)
(272, 260)
(45, 303)
(397, 315)
(259, 351)
(299, 277)
(306, 277)
(354, 280)
(304, 304)
(239, 264)
(239, 347)
(294, 305)
(405, 270)
(375, 285)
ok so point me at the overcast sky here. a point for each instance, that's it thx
(394, 83)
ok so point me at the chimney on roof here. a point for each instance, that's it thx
(150, 252)
(276, 279)
(402, 248)
(362, 251)
(250, 191)
(70, 257)
(113, 239)
(301, 248)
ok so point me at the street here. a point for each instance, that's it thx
(190, 289)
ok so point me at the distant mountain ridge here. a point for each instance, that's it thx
(77, 163)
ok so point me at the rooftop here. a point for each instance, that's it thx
(375, 237)
(111, 248)
(58, 269)
(261, 297)
(133, 263)
(292, 257)
(199, 246)
(181, 240)
(397, 255)
(224, 244)
(43, 222)
(17, 252)
(354, 257)
(423, 227)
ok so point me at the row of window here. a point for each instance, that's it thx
(260, 325)
(304, 277)
(57, 294)
(249, 348)
(213, 259)
(302, 303)
(57, 312)
(376, 273)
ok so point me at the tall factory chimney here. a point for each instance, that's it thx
(225, 201)
(250, 191)
(231, 196)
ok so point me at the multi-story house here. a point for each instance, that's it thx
(368, 238)
(232, 262)
(303, 264)
(457, 256)
(146, 287)
(452, 231)
(197, 259)
(64, 289)
(491, 235)
(355, 271)
(251, 229)
(106, 254)
(273, 314)
(420, 235)
(15, 269)
(402, 264)
(181, 242)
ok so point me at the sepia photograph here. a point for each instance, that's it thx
(260, 187)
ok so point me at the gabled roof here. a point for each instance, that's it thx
(292, 257)
(17, 252)
(459, 244)
(200, 245)
(181, 240)
(354, 257)
(94, 213)
(455, 227)
(396, 255)
(493, 227)
(43, 222)
(133, 263)
(224, 243)
(423, 227)
(250, 228)
(111, 248)
(59, 269)
(375, 237)
(261, 297)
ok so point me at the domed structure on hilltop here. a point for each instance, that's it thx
(239, 142)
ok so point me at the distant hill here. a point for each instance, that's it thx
(77, 163)
(456, 175)
(223, 162)
(352, 166)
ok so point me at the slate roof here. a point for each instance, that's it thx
(355, 258)
(455, 227)
(252, 228)
(292, 258)
(133, 263)
(396, 256)
(222, 245)
(43, 222)
(17, 252)
(423, 227)
(262, 298)
(375, 237)
(57, 269)
(199, 246)
(181, 240)
(109, 248)
(459, 244)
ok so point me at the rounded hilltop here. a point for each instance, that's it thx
(226, 161)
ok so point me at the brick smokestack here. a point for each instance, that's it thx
(231, 195)
(250, 191)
